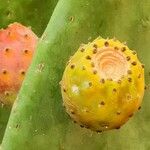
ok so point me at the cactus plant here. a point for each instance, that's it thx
(19, 11)
(103, 85)
(38, 120)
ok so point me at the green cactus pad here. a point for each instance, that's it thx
(103, 85)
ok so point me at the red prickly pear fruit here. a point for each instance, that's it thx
(17, 45)
(103, 85)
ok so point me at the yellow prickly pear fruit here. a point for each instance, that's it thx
(103, 85)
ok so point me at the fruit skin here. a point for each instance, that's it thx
(38, 114)
(17, 45)
(103, 85)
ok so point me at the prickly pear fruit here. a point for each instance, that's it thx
(17, 45)
(103, 85)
